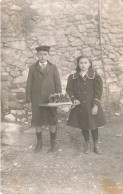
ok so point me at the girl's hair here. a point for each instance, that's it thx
(82, 57)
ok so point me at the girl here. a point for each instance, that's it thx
(85, 90)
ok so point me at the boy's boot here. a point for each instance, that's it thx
(96, 147)
(87, 147)
(38, 146)
(52, 141)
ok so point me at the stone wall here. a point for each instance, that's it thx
(71, 28)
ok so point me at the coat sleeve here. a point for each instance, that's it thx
(98, 89)
(69, 88)
(57, 80)
(29, 86)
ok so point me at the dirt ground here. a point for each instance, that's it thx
(68, 170)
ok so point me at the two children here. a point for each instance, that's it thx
(84, 89)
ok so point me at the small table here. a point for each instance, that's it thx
(51, 105)
(55, 104)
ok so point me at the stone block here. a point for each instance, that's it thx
(107, 61)
(71, 38)
(20, 112)
(25, 73)
(36, 6)
(6, 83)
(119, 44)
(12, 96)
(91, 26)
(13, 112)
(48, 22)
(114, 87)
(20, 79)
(4, 77)
(10, 118)
(76, 53)
(121, 101)
(86, 51)
(82, 28)
(115, 69)
(90, 41)
(10, 134)
(92, 34)
(111, 79)
(77, 42)
(71, 30)
(120, 77)
(3, 69)
(14, 73)
(15, 105)
(96, 52)
(7, 69)
(70, 48)
(62, 42)
(5, 74)
(15, 8)
(30, 61)
(27, 53)
(97, 64)
(115, 97)
(100, 72)
(47, 40)
(115, 30)
(121, 82)
(105, 30)
(79, 17)
(20, 95)
(19, 63)
(18, 90)
(20, 44)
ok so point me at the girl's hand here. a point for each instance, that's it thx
(95, 110)
(76, 102)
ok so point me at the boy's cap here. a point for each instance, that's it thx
(43, 48)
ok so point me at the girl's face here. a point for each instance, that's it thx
(43, 56)
(84, 64)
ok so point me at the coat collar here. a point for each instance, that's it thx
(90, 74)
(38, 67)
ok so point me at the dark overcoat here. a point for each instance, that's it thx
(88, 90)
(40, 84)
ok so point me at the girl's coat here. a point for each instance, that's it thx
(88, 90)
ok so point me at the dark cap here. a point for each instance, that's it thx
(43, 48)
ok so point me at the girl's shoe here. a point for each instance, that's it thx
(87, 147)
(96, 148)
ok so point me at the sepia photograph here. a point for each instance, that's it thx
(61, 97)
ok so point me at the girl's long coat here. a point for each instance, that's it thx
(88, 90)
(40, 84)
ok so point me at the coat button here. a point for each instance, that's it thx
(84, 92)
(84, 101)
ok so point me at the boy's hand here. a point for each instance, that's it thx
(95, 110)
(76, 102)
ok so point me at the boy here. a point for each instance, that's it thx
(43, 80)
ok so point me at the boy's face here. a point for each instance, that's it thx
(43, 56)
(84, 64)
